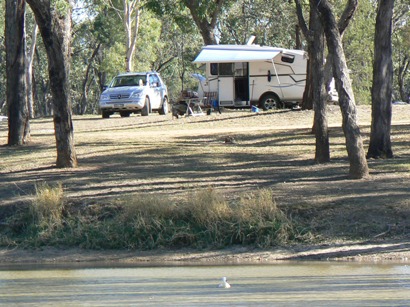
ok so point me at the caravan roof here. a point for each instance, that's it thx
(240, 53)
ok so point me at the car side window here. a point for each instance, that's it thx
(154, 81)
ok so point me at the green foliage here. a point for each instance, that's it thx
(272, 22)
(359, 49)
(206, 219)
(61, 7)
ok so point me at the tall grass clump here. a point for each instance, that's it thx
(259, 221)
(205, 219)
(147, 221)
(47, 206)
(251, 219)
(39, 222)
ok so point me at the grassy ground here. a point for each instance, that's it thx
(232, 152)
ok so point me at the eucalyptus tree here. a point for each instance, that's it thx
(316, 86)
(401, 50)
(177, 46)
(18, 119)
(382, 89)
(30, 52)
(354, 144)
(402, 62)
(129, 12)
(87, 46)
(54, 20)
(206, 15)
(315, 90)
(272, 22)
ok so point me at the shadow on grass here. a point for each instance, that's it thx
(189, 163)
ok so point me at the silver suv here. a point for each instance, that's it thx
(134, 93)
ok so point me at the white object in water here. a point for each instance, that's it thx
(224, 283)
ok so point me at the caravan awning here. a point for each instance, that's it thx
(230, 54)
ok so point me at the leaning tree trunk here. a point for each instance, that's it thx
(344, 22)
(380, 143)
(53, 18)
(19, 131)
(354, 143)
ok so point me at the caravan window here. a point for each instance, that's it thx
(287, 58)
(222, 69)
(214, 69)
(226, 69)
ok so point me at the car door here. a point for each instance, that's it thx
(155, 88)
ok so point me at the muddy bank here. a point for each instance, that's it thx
(386, 251)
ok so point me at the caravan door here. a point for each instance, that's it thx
(241, 85)
(225, 74)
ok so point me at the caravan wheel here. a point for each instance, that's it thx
(269, 102)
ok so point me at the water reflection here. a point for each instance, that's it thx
(288, 284)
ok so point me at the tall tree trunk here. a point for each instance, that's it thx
(404, 67)
(354, 144)
(55, 27)
(307, 100)
(315, 87)
(19, 131)
(131, 21)
(380, 143)
(316, 57)
(29, 72)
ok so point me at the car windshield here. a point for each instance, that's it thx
(139, 80)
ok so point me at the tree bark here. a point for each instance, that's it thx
(131, 21)
(402, 73)
(55, 27)
(316, 58)
(206, 28)
(354, 144)
(382, 89)
(29, 72)
(344, 22)
(307, 100)
(86, 84)
(315, 91)
(19, 131)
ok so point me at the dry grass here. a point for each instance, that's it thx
(48, 203)
(157, 155)
(206, 220)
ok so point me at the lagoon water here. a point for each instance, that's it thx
(283, 284)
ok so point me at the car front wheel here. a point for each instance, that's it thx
(145, 109)
(105, 114)
(164, 108)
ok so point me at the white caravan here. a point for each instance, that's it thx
(245, 75)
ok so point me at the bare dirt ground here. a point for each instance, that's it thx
(233, 152)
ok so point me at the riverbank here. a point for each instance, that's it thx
(394, 251)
